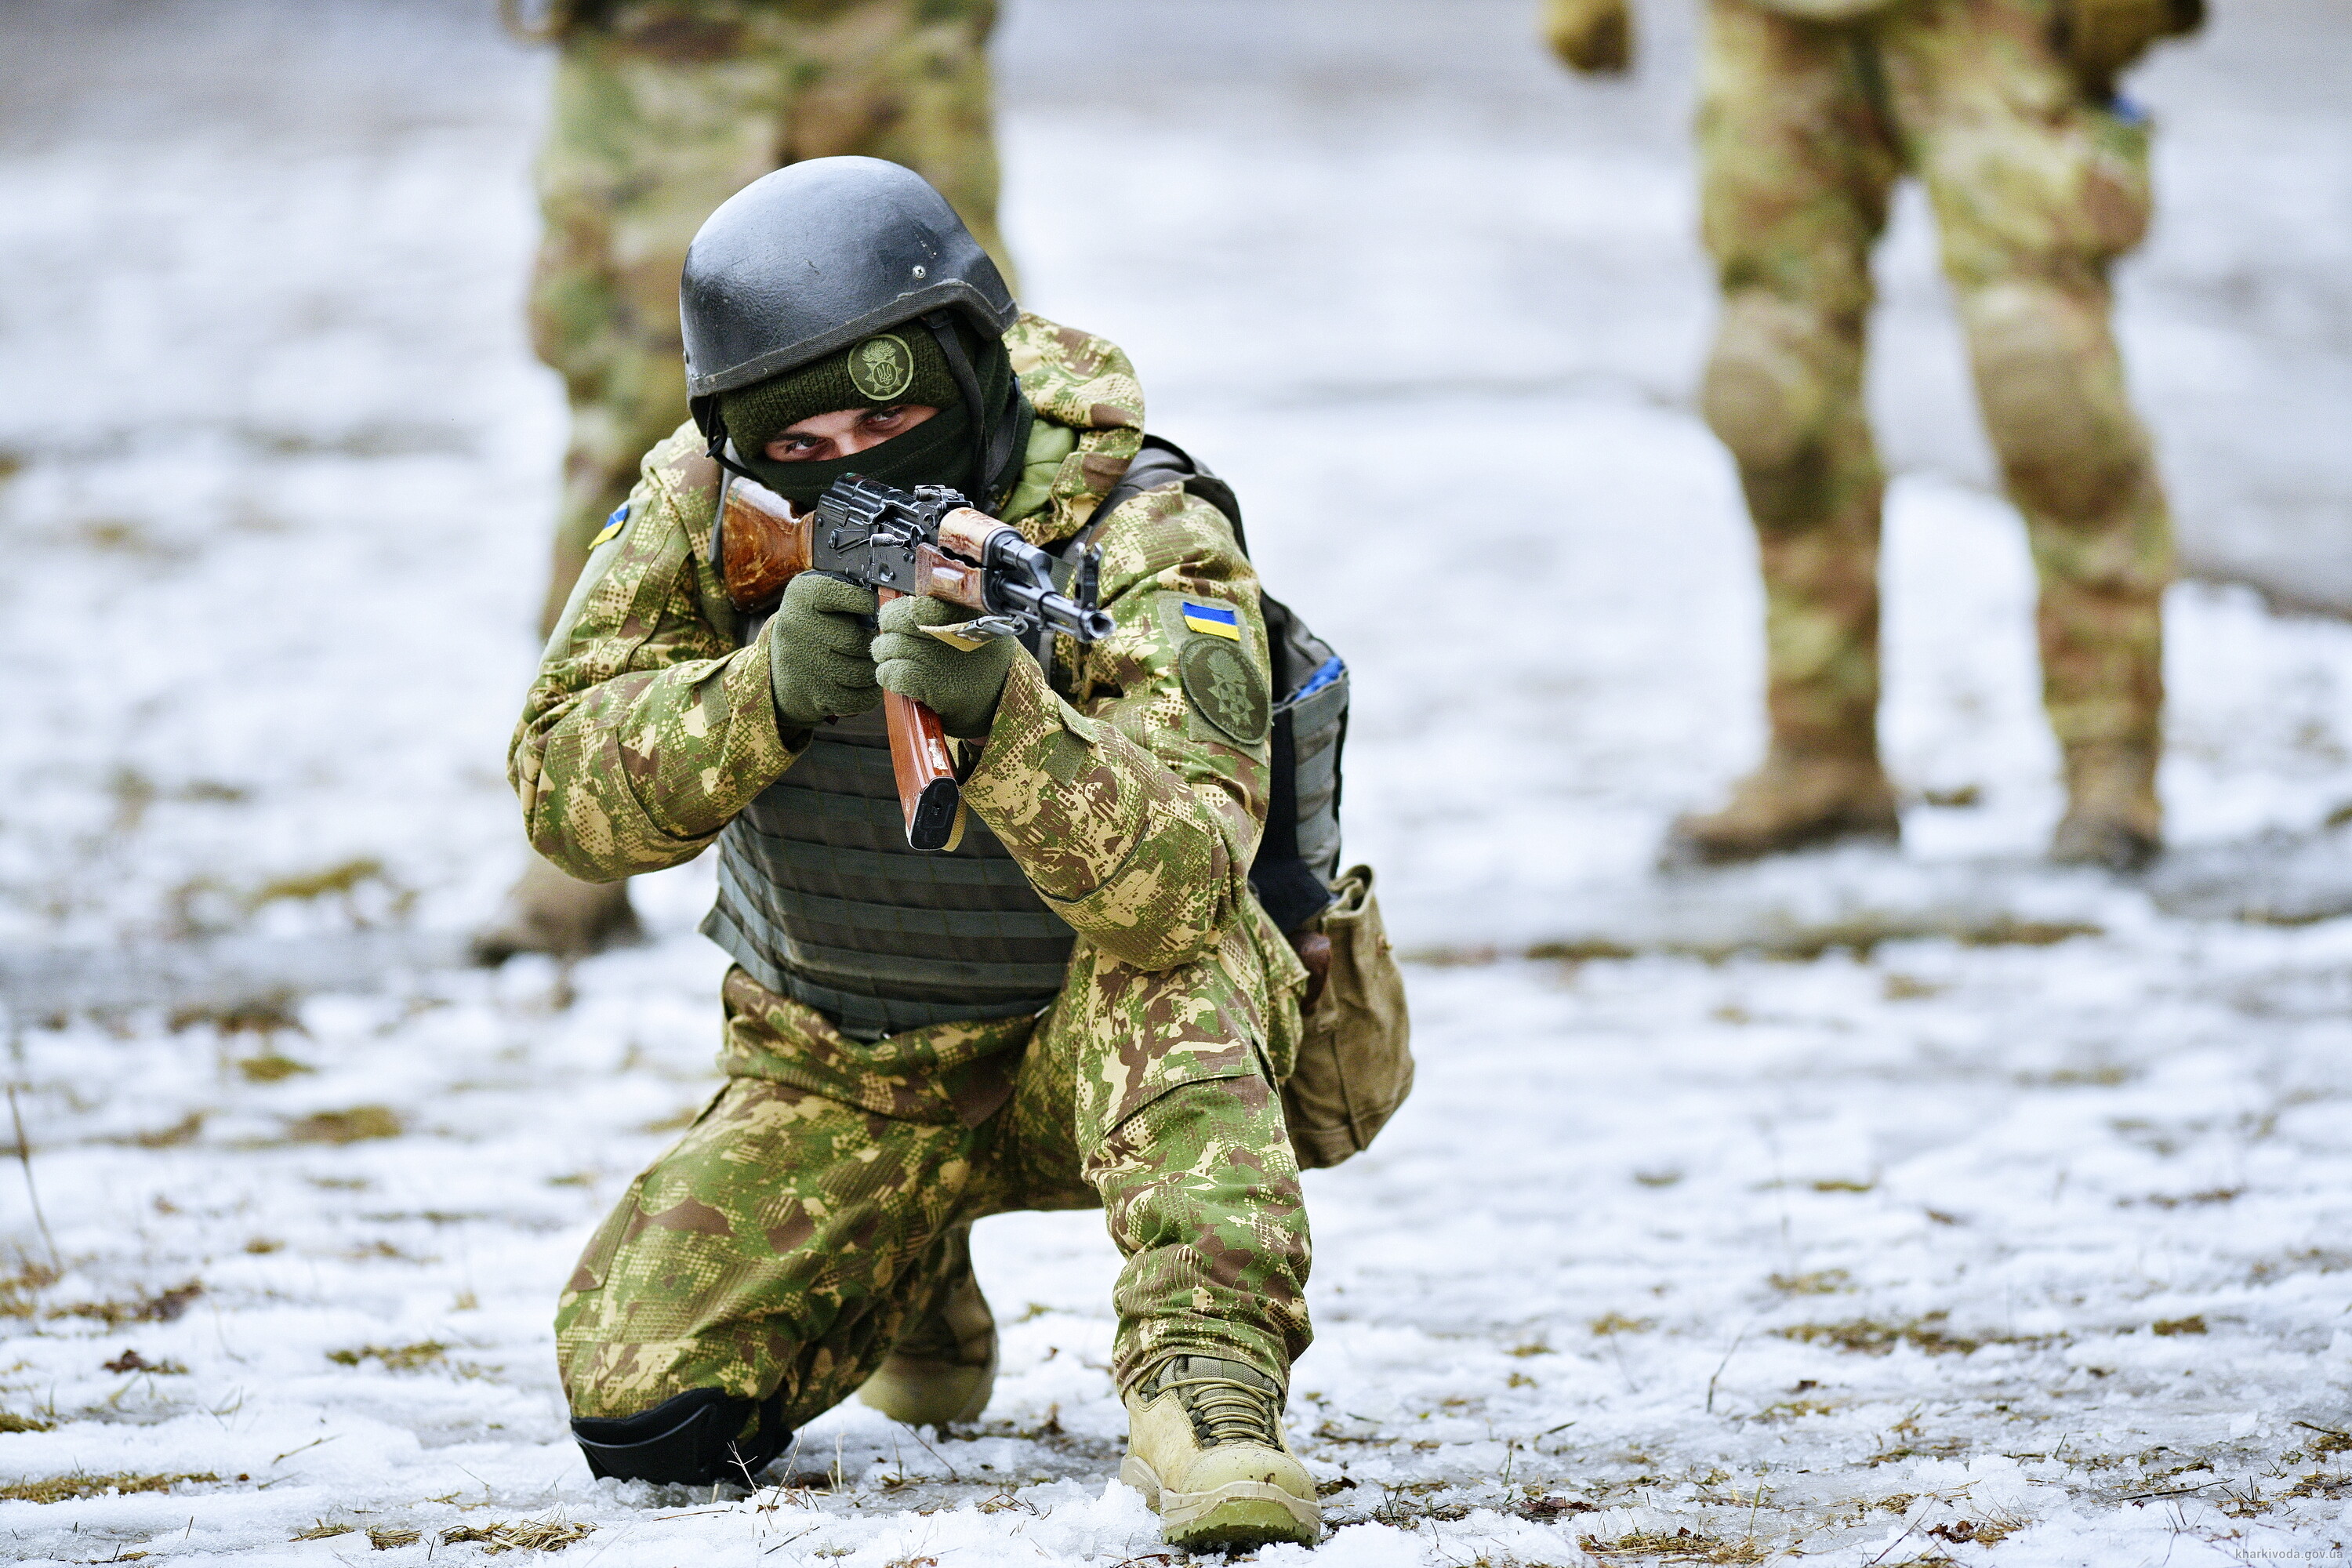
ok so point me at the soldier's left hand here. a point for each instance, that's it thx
(1594, 36)
(961, 687)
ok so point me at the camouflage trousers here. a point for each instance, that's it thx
(1804, 129)
(815, 1212)
(662, 109)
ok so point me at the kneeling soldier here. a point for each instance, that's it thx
(1081, 1004)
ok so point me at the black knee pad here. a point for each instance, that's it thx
(694, 1439)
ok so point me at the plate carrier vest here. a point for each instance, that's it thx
(821, 899)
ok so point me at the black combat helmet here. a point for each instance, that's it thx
(806, 262)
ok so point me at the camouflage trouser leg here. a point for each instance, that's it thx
(789, 1238)
(2035, 192)
(1804, 128)
(1799, 167)
(655, 121)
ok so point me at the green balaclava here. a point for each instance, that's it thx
(905, 364)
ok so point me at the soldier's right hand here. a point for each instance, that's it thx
(820, 651)
(1595, 36)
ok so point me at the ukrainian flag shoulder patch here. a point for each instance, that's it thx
(613, 526)
(1214, 620)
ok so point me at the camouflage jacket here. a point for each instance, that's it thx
(1133, 804)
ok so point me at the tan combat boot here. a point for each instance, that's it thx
(1205, 1447)
(2113, 816)
(547, 911)
(943, 1368)
(1797, 800)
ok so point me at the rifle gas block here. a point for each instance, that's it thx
(930, 541)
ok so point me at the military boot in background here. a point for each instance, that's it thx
(547, 911)
(943, 1368)
(2113, 816)
(1205, 1447)
(1797, 800)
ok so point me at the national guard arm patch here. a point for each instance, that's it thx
(1224, 688)
(613, 526)
(1216, 620)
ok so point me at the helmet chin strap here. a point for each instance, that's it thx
(720, 449)
(992, 432)
(967, 385)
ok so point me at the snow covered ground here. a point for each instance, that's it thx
(1886, 1208)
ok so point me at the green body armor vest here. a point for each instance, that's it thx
(821, 899)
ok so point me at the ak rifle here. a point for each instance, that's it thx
(898, 541)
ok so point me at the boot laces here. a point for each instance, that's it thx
(1225, 1410)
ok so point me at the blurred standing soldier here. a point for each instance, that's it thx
(2006, 110)
(662, 109)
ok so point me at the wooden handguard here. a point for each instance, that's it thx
(966, 533)
(762, 545)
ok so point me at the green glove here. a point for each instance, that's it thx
(1595, 36)
(961, 688)
(819, 666)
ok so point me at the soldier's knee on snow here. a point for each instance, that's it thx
(1765, 394)
(2051, 386)
(700, 1438)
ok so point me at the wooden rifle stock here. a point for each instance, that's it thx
(758, 545)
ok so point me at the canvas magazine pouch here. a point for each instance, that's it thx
(1355, 1056)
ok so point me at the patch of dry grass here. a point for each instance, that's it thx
(2211, 1197)
(164, 1307)
(1821, 1282)
(394, 1358)
(186, 1130)
(1794, 1410)
(1545, 1509)
(17, 1290)
(1910, 988)
(1685, 1545)
(1874, 1336)
(262, 1015)
(270, 1066)
(535, 1535)
(2105, 1075)
(360, 1122)
(181, 1131)
(2329, 1441)
(74, 1487)
(1979, 1531)
(340, 880)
